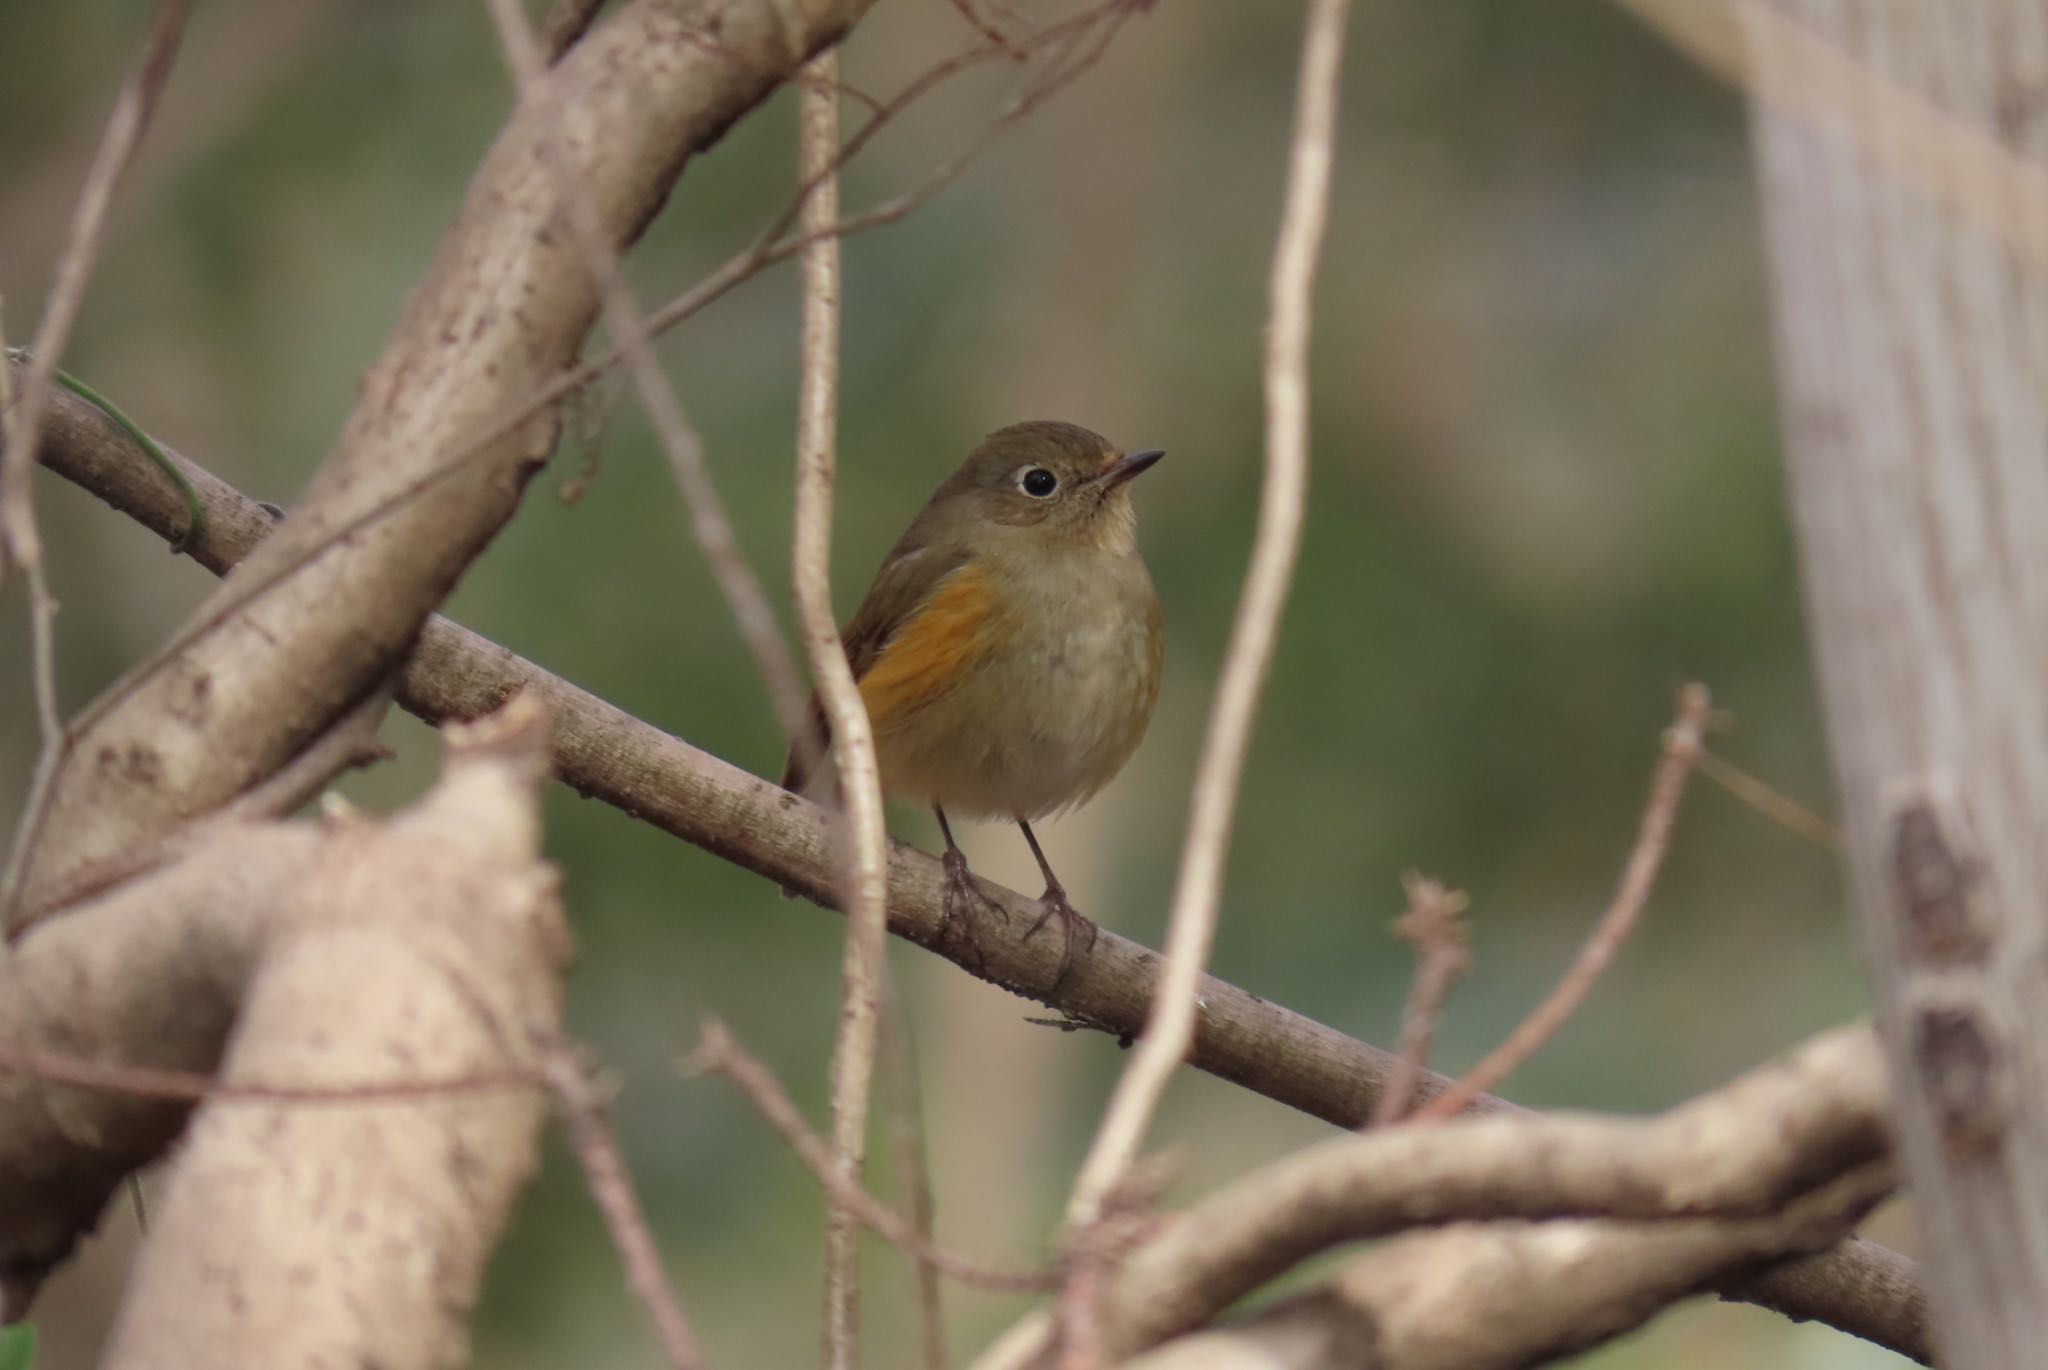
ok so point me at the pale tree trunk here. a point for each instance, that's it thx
(1900, 147)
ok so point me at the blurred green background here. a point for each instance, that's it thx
(1546, 491)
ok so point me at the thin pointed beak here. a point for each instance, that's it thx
(1129, 465)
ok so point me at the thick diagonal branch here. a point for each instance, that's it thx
(310, 622)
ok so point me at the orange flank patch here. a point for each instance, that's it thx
(927, 656)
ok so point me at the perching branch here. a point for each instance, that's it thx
(609, 755)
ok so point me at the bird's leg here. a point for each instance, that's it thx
(1054, 902)
(959, 888)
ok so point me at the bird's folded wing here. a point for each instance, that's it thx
(920, 623)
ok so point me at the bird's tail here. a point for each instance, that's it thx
(807, 770)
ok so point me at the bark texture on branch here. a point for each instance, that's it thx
(1859, 1287)
(502, 309)
(1745, 1150)
(1913, 331)
(356, 1233)
(149, 975)
(350, 954)
(1497, 1296)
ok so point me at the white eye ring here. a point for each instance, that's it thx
(1037, 489)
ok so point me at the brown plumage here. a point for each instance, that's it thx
(1010, 649)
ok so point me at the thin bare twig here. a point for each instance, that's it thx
(565, 22)
(10, 489)
(21, 422)
(719, 1053)
(1080, 1318)
(1170, 1027)
(1065, 39)
(1780, 808)
(1683, 741)
(864, 836)
(709, 522)
(1073, 57)
(611, 1189)
(21, 544)
(126, 126)
(903, 1092)
(1434, 924)
(986, 27)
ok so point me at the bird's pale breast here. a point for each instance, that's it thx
(1019, 690)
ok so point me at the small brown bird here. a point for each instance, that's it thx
(1009, 651)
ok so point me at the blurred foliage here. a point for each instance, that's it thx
(17, 1346)
(1546, 492)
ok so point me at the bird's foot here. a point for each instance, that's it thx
(958, 897)
(1055, 904)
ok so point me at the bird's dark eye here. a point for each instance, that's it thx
(1038, 482)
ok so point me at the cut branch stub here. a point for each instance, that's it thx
(352, 956)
